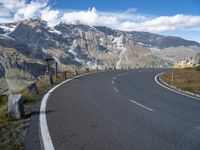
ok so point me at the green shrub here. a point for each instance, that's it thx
(30, 99)
(197, 68)
(3, 99)
(4, 117)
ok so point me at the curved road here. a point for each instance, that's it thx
(122, 110)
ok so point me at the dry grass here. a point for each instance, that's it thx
(187, 79)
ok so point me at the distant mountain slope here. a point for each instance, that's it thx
(159, 41)
(24, 44)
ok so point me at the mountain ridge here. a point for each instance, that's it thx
(83, 46)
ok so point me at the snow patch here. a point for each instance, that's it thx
(53, 30)
(118, 42)
(5, 36)
(44, 50)
(123, 52)
(57, 60)
(7, 29)
(141, 44)
(155, 50)
(72, 52)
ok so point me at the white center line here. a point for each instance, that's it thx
(112, 82)
(119, 75)
(116, 90)
(198, 128)
(145, 107)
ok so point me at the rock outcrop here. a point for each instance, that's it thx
(24, 44)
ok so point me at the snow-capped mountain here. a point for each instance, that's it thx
(24, 44)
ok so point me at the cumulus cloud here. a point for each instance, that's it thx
(164, 23)
(30, 10)
(14, 10)
(90, 17)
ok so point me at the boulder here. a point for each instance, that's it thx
(15, 106)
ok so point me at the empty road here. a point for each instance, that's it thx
(122, 110)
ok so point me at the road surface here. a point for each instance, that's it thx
(122, 110)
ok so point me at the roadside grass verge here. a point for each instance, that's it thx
(187, 79)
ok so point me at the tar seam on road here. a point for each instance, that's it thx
(145, 107)
(156, 79)
(46, 138)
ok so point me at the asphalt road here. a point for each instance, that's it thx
(122, 110)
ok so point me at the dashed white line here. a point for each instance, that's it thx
(114, 78)
(119, 75)
(112, 82)
(115, 89)
(145, 107)
(198, 128)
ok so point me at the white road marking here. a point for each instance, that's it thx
(145, 107)
(198, 128)
(119, 75)
(156, 79)
(115, 89)
(45, 135)
(112, 82)
(114, 78)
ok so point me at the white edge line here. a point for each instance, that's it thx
(156, 79)
(145, 107)
(46, 138)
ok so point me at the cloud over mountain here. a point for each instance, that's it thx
(14, 10)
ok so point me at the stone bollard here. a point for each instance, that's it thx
(65, 75)
(49, 78)
(15, 106)
(76, 72)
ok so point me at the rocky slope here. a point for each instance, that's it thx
(23, 45)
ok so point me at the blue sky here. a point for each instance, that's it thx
(153, 7)
(168, 17)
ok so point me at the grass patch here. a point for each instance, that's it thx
(3, 99)
(4, 116)
(30, 99)
(187, 79)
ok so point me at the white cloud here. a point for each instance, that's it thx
(30, 10)
(164, 23)
(90, 17)
(51, 16)
(13, 10)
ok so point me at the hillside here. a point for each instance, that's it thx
(24, 44)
